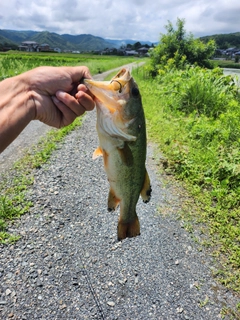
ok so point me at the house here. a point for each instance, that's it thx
(131, 53)
(28, 46)
(43, 47)
(231, 51)
(32, 46)
(143, 51)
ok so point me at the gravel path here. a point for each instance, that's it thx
(69, 265)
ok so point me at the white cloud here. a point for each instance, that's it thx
(136, 19)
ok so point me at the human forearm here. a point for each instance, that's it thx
(47, 94)
(16, 109)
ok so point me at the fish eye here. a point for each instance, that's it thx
(135, 92)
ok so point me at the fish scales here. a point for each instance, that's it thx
(122, 143)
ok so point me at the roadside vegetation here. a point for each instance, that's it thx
(226, 64)
(193, 114)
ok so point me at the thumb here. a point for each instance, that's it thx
(77, 73)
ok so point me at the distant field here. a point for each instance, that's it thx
(13, 63)
(226, 64)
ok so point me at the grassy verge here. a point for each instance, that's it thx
(194, 117)
(226, 64)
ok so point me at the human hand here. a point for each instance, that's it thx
(53, 91)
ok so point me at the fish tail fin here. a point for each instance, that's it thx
(113, 201)
(146, 189)
(128, 229)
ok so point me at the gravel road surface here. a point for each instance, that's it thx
(69, 265)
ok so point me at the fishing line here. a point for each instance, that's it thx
(120, 90)
(94, 294)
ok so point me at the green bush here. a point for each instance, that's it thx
(183, 48)
(198, 90)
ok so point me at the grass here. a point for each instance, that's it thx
(193, 116)
(226, 64)
(15, 63)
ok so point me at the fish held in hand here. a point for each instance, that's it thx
(122, 143)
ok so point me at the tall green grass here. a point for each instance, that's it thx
(15, 63)
(194, 115)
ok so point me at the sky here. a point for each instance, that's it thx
(121, 19)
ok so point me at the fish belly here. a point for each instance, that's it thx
(125, 168)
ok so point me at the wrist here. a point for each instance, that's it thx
(16, 108)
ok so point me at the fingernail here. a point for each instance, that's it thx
(60, 94)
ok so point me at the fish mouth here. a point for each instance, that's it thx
(111, 92)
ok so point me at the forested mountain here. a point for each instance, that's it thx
(224, 41)
(84, 42)
(88, 42)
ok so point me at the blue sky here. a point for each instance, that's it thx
(125, 19)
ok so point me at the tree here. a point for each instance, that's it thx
(181, 48)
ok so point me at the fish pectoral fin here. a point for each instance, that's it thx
(113, 201)
(146, 189)
(125, 154)
(128, 229)
(97, 153)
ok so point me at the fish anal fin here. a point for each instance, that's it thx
(113, 201)
(97, 153)
(126, 154)
(146, 189)
(128, 229)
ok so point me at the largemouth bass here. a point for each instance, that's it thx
(122, 143)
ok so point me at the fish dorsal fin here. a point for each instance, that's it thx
(97, 153)
(112, 129)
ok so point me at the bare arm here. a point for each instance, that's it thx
(46, 94)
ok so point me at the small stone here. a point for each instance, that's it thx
(40, 297)
(13, 294)
(111, 303)
(177, 262)
(179, 310)
(10, 315)
(8, 292)
(63, 306)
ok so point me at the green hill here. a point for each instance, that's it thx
(84, 42)
(225, 41)
(6, 44)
